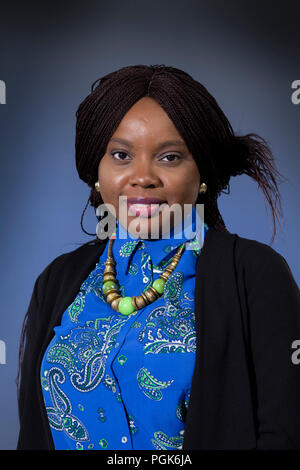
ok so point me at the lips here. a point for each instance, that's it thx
(144, 207)
(144, 200)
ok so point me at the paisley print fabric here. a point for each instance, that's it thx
(112, 381)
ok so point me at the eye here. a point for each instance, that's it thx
(120, 153)
(178, 157)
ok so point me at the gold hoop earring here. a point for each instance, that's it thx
(203, 188)
(97, 186)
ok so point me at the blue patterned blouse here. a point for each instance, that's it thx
(121, 382)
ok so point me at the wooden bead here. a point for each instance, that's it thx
(112, 296)
(150, 296)
(140, 302)
(109, 277)
(114, 304)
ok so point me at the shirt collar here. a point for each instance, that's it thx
(190, 231)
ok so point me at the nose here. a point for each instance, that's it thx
(144, 173)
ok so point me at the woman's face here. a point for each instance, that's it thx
(141, 162)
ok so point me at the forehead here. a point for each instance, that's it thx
(146, 119)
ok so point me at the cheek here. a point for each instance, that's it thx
(183, 184)
(192, 178)
(107, 180)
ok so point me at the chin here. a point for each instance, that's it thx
(151, 228)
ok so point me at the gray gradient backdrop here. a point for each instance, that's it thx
(245, 53)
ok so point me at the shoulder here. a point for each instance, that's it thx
(257, 255)
(246, 251)
(262, 267)
(252, 258)
(76, 255)
(71, 261)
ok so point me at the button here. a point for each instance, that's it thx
(124, 439)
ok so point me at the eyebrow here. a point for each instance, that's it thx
(159, 146)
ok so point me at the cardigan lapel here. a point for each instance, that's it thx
(220, 412)
(75, 272)
(81, 262)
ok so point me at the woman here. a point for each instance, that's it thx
(177, 342)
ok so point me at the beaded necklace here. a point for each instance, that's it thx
(127, 305)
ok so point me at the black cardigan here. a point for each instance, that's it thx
(245, 391)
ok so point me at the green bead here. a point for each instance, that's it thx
(108, 285)
(125, 306)
(159, 285)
